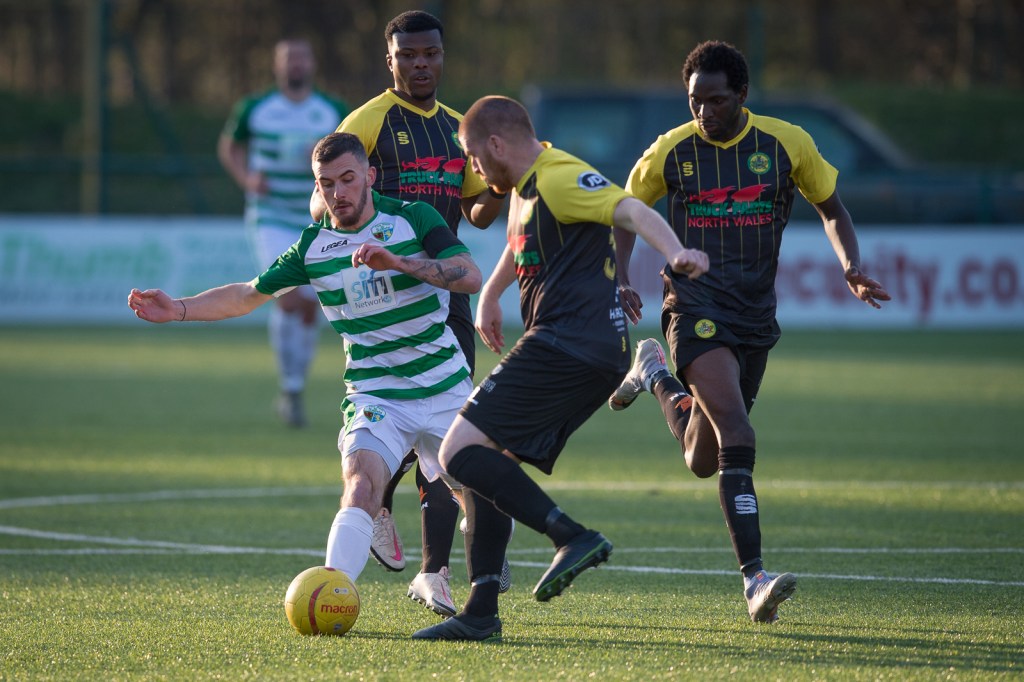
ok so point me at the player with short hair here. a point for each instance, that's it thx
(731, 177)
(265, 147)
(572, 355)
(383, 271)
(411, 140)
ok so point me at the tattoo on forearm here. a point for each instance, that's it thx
(434, 272)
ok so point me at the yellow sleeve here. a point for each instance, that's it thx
(472, 184)
(646, 181)
(366, 122)
(576, 193)
(814, 176)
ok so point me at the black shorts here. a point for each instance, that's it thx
(690, 337)
(535, 399)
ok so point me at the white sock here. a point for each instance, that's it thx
(305, 347)
(293, 346)
(348, 544)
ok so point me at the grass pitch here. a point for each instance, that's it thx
(153, 512)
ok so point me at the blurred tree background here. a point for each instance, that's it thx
(139, 89)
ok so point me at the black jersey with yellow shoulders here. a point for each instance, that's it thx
(418, 158)
(732, 200)
(416, 153)
(559, 230)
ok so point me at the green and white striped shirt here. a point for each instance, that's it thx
(281, 135)
(397, 344)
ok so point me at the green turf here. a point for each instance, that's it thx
(153, 512)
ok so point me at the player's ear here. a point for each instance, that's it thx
(371, 175)
(317, 205)
(496, 144)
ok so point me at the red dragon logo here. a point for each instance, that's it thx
(720, 195)
(427, 163)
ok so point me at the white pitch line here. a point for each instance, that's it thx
(139, 546)
(227, 549)
(685, 485)
(659, 570)
(138, 543)
(823, 576)
(802, 550)
(165, 495)
(670, 486)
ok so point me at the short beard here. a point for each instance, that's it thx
(356, 215)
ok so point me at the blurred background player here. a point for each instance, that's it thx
(721, 327)
(412, 141)
(573, 353)
(265, 146)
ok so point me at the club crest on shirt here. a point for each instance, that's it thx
(383, 231)
(705, 329)
(374, 413)
(590, 181)
(759, 163)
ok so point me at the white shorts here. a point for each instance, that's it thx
(392, 428)
(271, 242)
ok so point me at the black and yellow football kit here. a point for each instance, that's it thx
(575, 349)
(731, 200)
(416, 153)
(560, 233)
(418, 158)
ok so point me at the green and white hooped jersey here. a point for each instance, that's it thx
(397, 344)
(281, 135)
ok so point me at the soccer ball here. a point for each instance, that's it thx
(322, 601)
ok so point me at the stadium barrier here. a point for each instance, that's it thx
(57, 269)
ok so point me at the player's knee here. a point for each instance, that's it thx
(702, 464)
(455, 460)
(365, 475)
(458, 438)
(703, 469)
(445, 456)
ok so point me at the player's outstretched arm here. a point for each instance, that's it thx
(153, 305)
(634, 215)
(839, 228)
(457, 273)
(488, 307)
(230, 300)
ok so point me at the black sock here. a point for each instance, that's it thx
(675, 404)
(487, 531)
(440, 512)
(389, 492)
(483, 598)
(497, 478)
(739, 503)
(561, 529)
